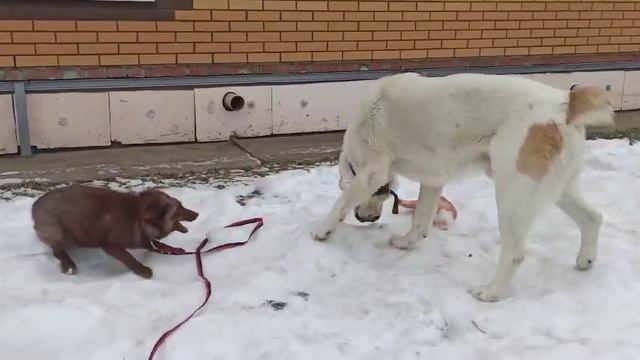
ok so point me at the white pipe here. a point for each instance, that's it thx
(232, 101)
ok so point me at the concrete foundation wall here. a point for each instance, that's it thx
(214, 123)
(139, 117)
(8, 139)
(68, 120)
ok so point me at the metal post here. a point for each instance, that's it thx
(22, 117)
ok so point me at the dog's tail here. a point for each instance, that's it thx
(590, 106)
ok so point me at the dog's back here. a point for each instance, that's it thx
(484, 99)
(407, 116)
(79, 215)
(464, 104)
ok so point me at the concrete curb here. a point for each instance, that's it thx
(189, 162)
(127, 162)
(299, 149)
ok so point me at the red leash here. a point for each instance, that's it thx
(165, 249)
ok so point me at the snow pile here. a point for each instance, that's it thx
(284, 296)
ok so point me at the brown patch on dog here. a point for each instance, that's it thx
(584, 99)
(541, 147)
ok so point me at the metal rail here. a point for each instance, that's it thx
(282, 79)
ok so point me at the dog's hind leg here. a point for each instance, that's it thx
(67, 266)
(422, 219)
(517, 207)
(587, 219)
(366, 182)
(50, 234)
(132, 263)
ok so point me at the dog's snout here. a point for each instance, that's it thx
(363, 219)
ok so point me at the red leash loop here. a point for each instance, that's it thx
(165, 249)
(162, 248)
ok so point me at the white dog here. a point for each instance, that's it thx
(527, 136)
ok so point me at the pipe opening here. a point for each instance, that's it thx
(232, 101)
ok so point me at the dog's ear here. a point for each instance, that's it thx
(163, 213)
(158, 210)
(346, 175)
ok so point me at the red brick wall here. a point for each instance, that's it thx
(275, 31)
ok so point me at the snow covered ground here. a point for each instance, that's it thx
(351, 298)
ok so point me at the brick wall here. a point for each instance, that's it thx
(272, 31)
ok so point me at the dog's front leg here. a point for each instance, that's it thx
(363, 186)
(422, 220)
(66, 264)
(132, 263)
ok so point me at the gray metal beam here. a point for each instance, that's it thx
(6, 87)
(22, 118)
(282, 79)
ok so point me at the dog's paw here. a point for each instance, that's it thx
(485, 294)
(144, 272)
(322, 232)
(68, 270)
(402, 242)
(585, 260)
(321, 235)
